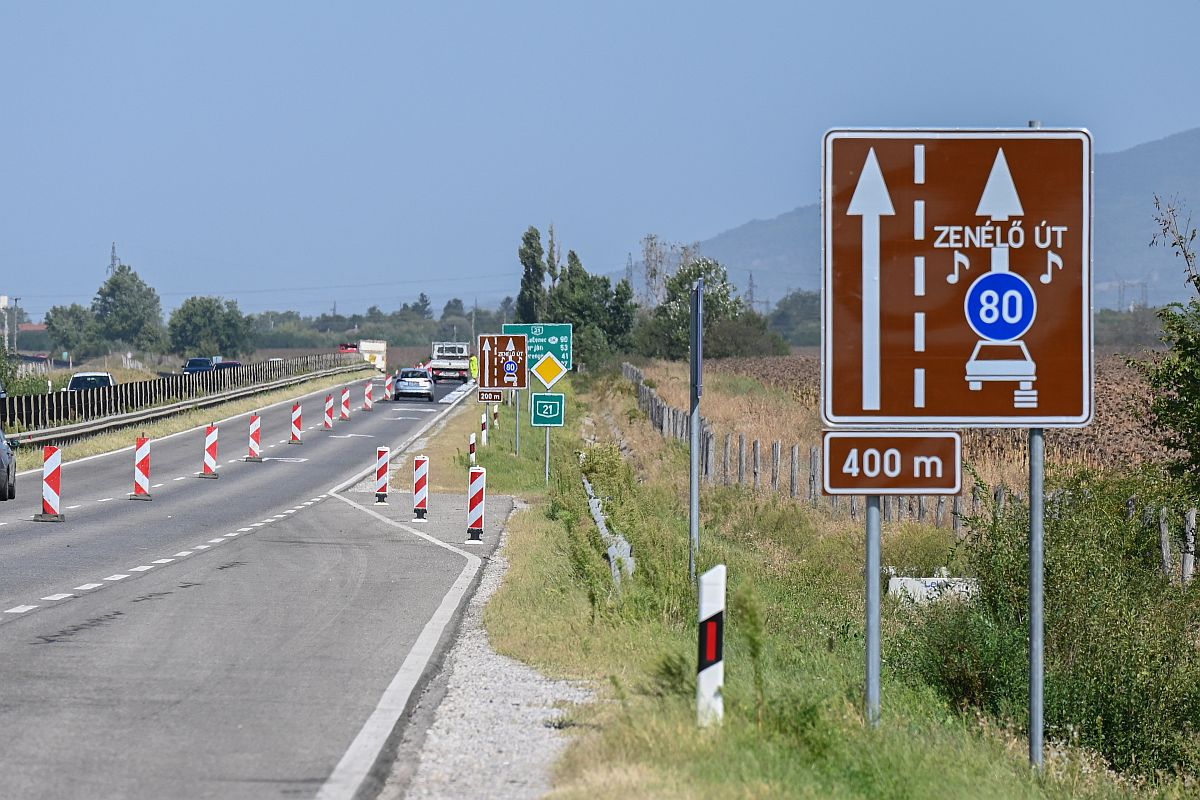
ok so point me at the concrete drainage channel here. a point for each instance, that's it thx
(619, 551)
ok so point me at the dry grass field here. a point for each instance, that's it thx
(773, 398)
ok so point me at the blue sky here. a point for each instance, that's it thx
(293, 155)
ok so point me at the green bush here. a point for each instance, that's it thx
(1122, 669)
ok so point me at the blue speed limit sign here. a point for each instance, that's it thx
(510, 367)
(1001, 306)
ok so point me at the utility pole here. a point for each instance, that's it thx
(4, 311)
(16, 326)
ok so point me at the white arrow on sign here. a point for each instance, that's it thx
(870, 201)
(486, 349)
(1000, 201)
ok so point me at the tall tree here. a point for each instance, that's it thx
(665, 332)
(531, 300)
(507, 307)
(71, 328)
(553, 252)
(128, 310)
(453, 308)
(208, 326)
(423, 306)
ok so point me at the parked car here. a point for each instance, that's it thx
(90, 380)
(226, 364)
(195, 365)
(347, 347)
(413, 382)
(8, 471)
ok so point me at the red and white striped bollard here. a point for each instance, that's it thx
(255, 450)
(420, 488)
(710, 666)
(297, 424)
(389, 387)
(483, 429)
(141, 470)
(476, 500)
(345, 403)
(51, 486)
(471, 444)
(209, 468)
(368, 396)
(328, 412)
(383, 458)
(496, 416)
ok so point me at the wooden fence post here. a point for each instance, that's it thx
(1189, 545)
(757, 467)
(725, 460)
(741, 459)
(776, 447)
(795, 471)
(814, 468)
(1164, 541)
(956, 515)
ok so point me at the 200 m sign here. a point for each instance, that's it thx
(892, 462)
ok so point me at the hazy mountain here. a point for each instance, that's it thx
(785, 252)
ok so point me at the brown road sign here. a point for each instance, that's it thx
(490, 396)
(957, 278)
(892, 462)
(502, 362)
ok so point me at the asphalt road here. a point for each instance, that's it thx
(251, 636)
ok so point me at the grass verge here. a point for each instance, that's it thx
(31, 458)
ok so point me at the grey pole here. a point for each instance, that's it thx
(1037, 456)
(517, 425)
(697, 352)
(547, 456)
(873, 571)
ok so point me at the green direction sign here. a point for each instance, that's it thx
(547, 410)
(545, 337)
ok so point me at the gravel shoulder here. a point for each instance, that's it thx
(493, 733)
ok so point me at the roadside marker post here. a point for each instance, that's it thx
(471, 446)
(368, 396)
(389, 387)
(297, 425)
(420, 488)
(51, 486)
(141, 470)
(328, 412)
(383, 462)
(476, 499)
(255, 449)
(345, 404)
(483, 431)
(209, 466)
(495, 416)
(710, 663)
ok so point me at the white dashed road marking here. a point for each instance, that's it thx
(183, 553)
(104, 500)
(157, 486)
(200, 547)
(19, 609)
(116, 577)
(245, 530)
(77, 505)
(162, 561)
(87, 587)
(215, 541)
(142, 568)
(181, 478)
(59, 596)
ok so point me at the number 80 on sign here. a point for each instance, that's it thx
(892, 462)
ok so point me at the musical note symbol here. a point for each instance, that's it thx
(960, 262)
(1052, 260)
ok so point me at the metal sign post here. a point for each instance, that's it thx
(874, 566)
(697, 389)
(517, 426)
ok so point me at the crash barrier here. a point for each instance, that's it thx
(420, 488)
(744, 466)
(141, 469)
(64, 416)
(345, 403)
(328, 412)
(710, 666)
(208, 468)
(297, 425)
(476, 499)
(383, 459)
(51, 486)
(255, 449)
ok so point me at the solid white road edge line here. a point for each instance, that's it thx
(352, 769)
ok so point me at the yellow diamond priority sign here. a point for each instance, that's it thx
(549, 369)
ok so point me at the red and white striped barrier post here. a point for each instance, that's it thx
(476, 499)
(51, 486)
(496, 416)
(710, 667)
(368, 396)
(483, 429)
(209, 470)
(383, 459)
(345, 403)
(297, 424)
(255, 451)
(420, 488)
(471, 444)
(328, 412)
(141, 470)
(389, 387)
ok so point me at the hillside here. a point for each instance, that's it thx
(785, 252)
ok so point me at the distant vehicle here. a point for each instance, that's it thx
(90, 380)
(275, 360)
(451, 360)
(195, 365)
(3, 394)
(346, 347)
(227, 365)
(8, 471)
(375, 351)
(414, 382)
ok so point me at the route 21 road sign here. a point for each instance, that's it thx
(502, 362)
(957, 278)
(892, 462)
(547, 410)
